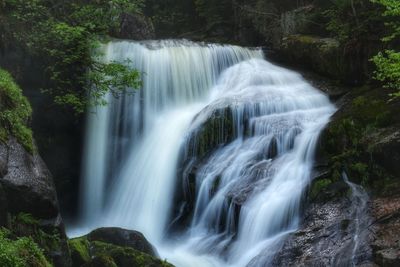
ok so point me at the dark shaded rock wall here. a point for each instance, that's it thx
(29, 205)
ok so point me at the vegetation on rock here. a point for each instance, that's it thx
(98, 253)
(351, 141)
(15, 112)
(20, 252)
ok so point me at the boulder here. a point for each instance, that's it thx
(109, 247)
(26, 181)
(123, 238)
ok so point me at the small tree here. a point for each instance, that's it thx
(64, 35)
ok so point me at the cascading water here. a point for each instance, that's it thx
(248, 171)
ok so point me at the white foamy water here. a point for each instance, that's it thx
(248, 190)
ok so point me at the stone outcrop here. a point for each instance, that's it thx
(29, 205)
(106, 247)
(123, 238)
(322, 55)
(27, 183)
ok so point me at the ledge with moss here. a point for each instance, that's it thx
(109, 247)
(15, 112)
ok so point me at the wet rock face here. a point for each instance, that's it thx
(134, 27)
(27, 183)
(123, 238)
(326, 238)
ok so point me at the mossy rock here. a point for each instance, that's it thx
(363, 140)
(125, 256)
(49, 238)
(322, 55)
(79, 248)
(100, 254)
(216, 130)
(20, 251)
(324, 189)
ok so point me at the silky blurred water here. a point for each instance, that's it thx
(248, 191)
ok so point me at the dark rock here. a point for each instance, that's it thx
(28, 201)
(27, 182)
(3, 207)
(134, 27)
(385, 146)
(322, 55)
(123, 238)
(326, 238)
(386, 244)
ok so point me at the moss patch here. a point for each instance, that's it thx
(79, 248)
(47, 238)
(319, 186)
(125, 256)
(20, 252)
(101, 254)
(15, 112)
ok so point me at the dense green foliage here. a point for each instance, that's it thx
(353, 19)
(15, 111)
(20, 252)
(64, 35)
(388, 62)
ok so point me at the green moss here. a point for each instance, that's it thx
(20, 252)
(217, 130)
(26, 218)
(125, 256)
(79, 248)
(15, 112)
(48, 239)
(318, 186)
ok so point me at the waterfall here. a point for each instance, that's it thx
(243, 178)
